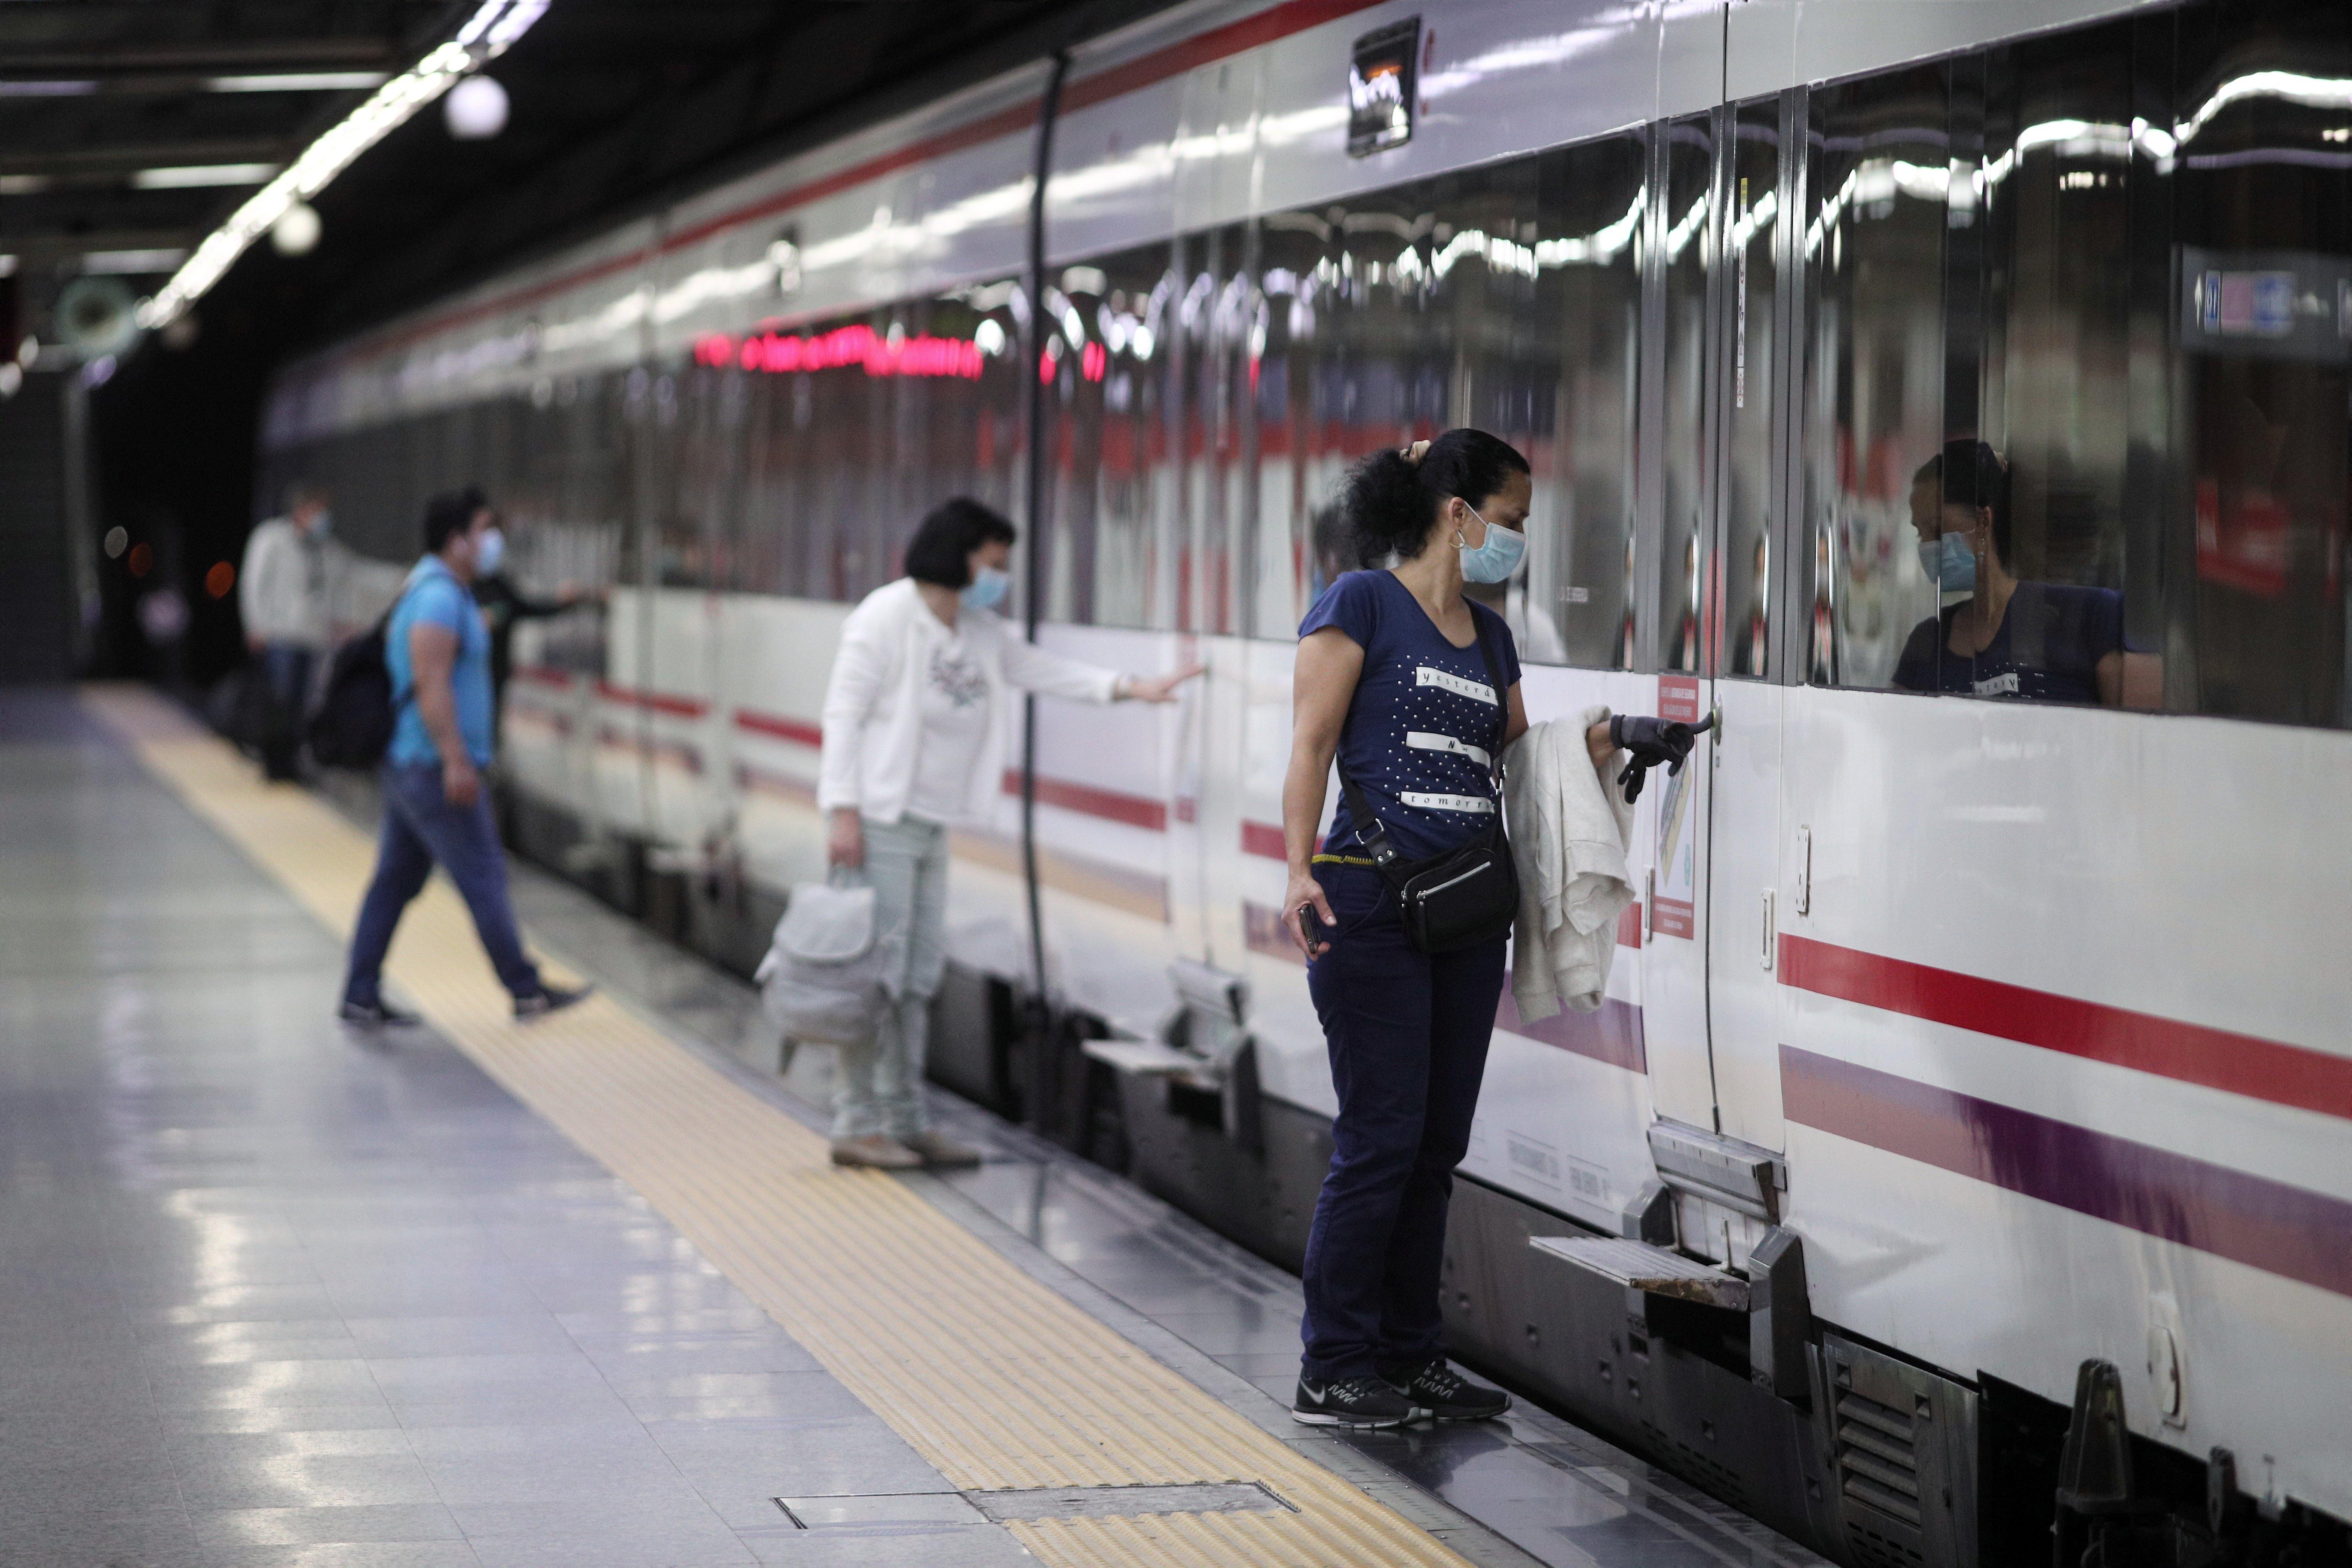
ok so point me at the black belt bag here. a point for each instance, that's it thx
(1466, 896)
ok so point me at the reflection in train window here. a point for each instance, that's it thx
(1688, 245)
(2263, 113)
(1507, 298)
(1749, 474)
(1874, 385)
(2121, 259)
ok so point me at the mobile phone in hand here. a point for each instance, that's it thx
(1318, 935)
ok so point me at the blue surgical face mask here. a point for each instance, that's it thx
(1494, 560)
(988, 587)
(1949, 564)
(322, 523)
(489, 553)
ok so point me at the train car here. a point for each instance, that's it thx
(1959, 1152)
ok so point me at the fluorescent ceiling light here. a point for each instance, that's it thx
(46, 89)
(202, 174)
(494, 25)
(24, 185)
(133, 261)
(297, 81)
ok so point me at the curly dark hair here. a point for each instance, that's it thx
(1390, 501)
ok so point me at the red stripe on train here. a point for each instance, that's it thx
(2168, 1047)
(656, 701)
(780, 726)
(1135, 810)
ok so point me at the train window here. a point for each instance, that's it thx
(1751, 249)
(2262, 176)
(1507, 297)
(2078, 363)
(1873, 246)
(1687, 242)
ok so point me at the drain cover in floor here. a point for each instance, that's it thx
(1124, 1502)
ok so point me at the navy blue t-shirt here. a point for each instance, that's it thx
(1420, 732)
(2046, 649)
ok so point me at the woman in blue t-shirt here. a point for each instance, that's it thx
(1393, 683)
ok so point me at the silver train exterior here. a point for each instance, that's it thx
(1988, 1053)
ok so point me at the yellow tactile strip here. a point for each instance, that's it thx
(991, 1376)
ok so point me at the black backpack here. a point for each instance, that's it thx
(353, 726)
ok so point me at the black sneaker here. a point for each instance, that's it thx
(549, 999)
(1352, 1402)
(1447, 1395)
(375, 1015)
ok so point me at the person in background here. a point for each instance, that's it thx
(504, 604)
(281, 591)
(916, 716)
(1995, 636)
(434, 808)
(1393, 681)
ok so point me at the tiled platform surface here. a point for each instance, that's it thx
(272, 1295)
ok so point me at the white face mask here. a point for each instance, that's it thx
(489, 553)
(322, 523)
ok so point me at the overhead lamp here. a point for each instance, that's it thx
(296, 81)
(191, 175)
(476, 109)
(46, 89)
(488, 32)
(296, 232)
(133, 261)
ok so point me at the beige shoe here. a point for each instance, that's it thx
(936, 1147)
(875, 1153)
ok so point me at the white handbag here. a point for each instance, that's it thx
(823, 978)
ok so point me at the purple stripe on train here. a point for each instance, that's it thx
(2230, 1214)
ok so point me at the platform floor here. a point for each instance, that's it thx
(587, 1292)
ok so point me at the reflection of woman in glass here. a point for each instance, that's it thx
(1997, 636)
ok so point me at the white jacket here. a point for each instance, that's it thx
(873, 705)
(1569, 834)
(282, 587)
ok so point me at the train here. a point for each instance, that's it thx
(1956, 1165)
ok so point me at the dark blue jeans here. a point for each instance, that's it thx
(421, 827)
(285, 670)
(1408, 1034)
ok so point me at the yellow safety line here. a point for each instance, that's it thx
(997, 1381)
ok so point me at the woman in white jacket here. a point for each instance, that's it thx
(914, 726)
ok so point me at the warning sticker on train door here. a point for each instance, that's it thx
(1676, 892)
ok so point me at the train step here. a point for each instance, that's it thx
(1638, 1266)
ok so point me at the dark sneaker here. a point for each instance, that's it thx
(1447, 1395)
(550, 999)
(1352, 1402)
(937, 1149)
(375, 1015)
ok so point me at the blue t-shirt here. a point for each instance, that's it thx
(1420, 732)
(2046, 649)
(435, 598)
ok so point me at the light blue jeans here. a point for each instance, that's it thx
(882, 1083)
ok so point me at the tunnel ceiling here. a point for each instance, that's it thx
(615, 104)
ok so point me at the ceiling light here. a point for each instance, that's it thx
(297, 81)
(476, 109)
(24, 185)
(46, 89)
(133, 261)
(487, 33)
(193, 175)
(296, 232)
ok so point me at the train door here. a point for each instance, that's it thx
(1717, 321)
(1745, 839)
(1681, 481)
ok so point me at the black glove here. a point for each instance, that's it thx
(1653, 742)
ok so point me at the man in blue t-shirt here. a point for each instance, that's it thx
(435, 810)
